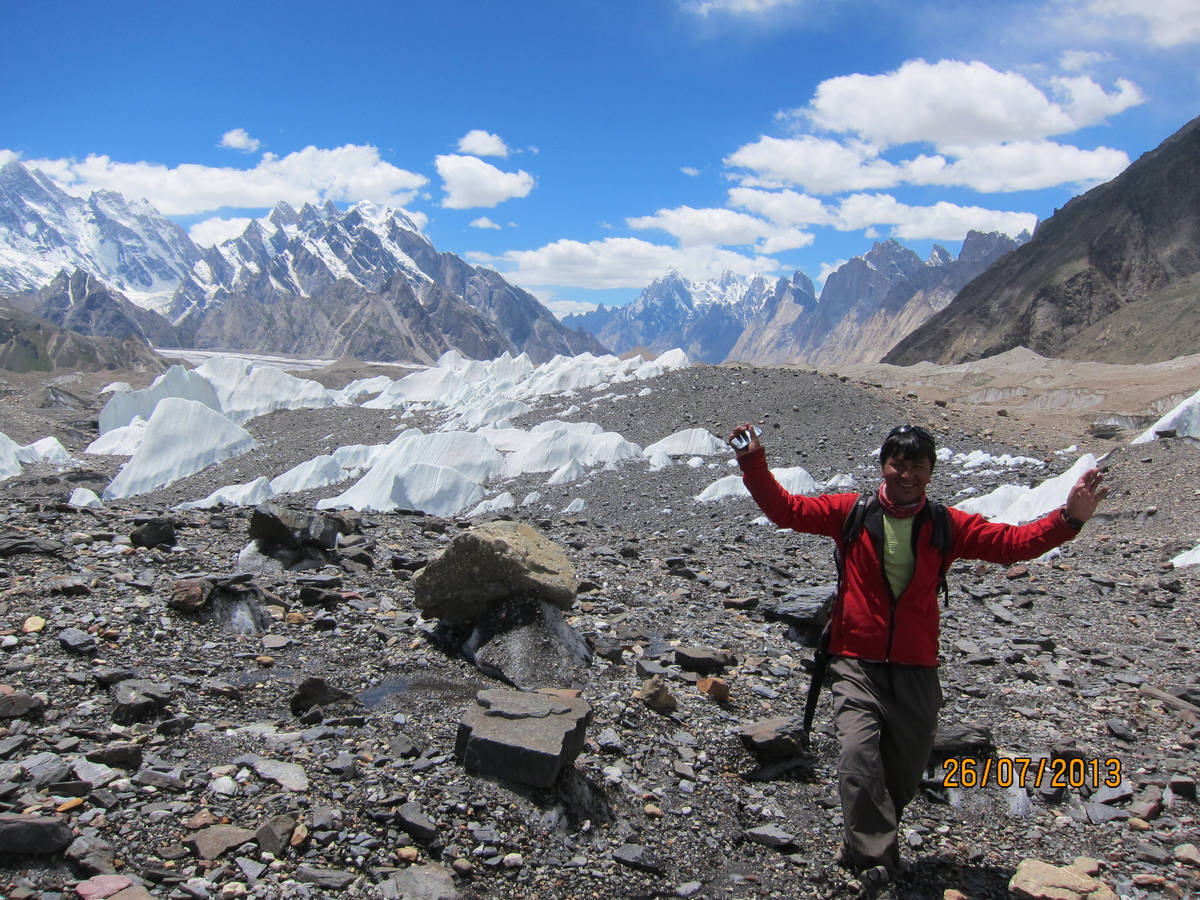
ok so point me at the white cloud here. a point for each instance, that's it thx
(215, 231)
(478, 142)
(826, 167)
(484, 222)
(312, 175)
(1087, 102)
(695, 227)
(723, 227)
(1019, 166)
(959, 103)
(782, 207)
(239, 139)
(1165, 23)
(815, 164)
(689, 170)
(941, 221)
(1081, 60)
(470, 182)
(736, 7)
(618, 263)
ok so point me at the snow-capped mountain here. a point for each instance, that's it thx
(128, 245)
(317, 280)
(866, 306)
(703, 318)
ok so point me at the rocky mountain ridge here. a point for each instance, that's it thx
(866, 305)
(323, 281)
(1113, 276)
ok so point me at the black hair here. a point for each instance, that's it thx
(909, 442)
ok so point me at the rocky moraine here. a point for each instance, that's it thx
(605, 707)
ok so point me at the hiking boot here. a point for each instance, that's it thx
(875, 878)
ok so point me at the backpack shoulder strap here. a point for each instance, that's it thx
(851, 529)
(942, 539)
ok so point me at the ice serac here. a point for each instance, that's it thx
(1184, 420)
(245, 390)
(178, 382)
(689, 442)
(182, 437)
(10, 465)
(1014, 504)
(438, 490)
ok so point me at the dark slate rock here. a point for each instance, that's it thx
(15, 742)
(93, 854)
(412, 819)
(770, 836)
(1099, 813)
(528, 738)
(274, 834)
(14, 546)
(76, 640)
(1119, 794)
(45, 768)
(315, 691)
(107, 676)
(40, 835)
(962, 740)
(806, 610)
(137, 700)
(328, 879)
(121, 756)
(704, 660)
(18, 706)
(156, 532)
(638, 857)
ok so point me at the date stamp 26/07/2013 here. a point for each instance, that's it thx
(1030, 771)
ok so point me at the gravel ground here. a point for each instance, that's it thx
(1047, 655)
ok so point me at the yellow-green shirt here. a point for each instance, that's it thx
(898, 559)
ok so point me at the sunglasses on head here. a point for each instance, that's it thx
(920, 432)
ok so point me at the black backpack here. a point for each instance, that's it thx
(852, 529)
(941, 538)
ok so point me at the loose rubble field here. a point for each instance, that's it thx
(225, 791)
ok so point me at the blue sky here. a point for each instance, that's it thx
(582, 148)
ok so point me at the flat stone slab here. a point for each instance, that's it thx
(526, 737)
(211, 842)
(289, 776)
(33, 834)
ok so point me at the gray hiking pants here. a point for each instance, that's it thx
(885, 716)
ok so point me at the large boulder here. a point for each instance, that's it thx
(288, 539)
(524, 737)
(529, 646)
(491, 562)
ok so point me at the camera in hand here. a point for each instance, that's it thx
(741, 438)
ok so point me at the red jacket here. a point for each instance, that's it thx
(867, 624)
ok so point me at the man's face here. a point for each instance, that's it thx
(906, 479)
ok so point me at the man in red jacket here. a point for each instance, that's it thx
(884, 623)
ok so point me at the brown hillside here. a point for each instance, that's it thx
(1110, 277)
